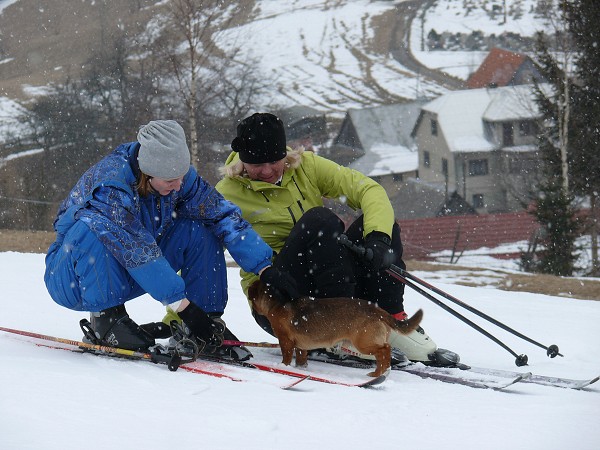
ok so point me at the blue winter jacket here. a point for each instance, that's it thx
(106, 200)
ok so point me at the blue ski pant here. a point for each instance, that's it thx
(82, 274)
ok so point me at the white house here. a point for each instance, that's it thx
(481, 144)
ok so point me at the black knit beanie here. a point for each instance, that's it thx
(260, 139)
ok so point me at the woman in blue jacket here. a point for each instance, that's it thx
(132, 222)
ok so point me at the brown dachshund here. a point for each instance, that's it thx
(307, 323)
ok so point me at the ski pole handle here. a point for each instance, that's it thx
(365, 253)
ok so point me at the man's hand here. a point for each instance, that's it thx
(281, 283)
(378, 251)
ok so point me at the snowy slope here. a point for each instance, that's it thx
(57, 400)
(328, 54)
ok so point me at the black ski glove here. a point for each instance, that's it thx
(378, 254)
(281, 283)
(202, 326)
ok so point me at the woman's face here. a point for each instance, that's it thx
(165, 187)
(269, 172)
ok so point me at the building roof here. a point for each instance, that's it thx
(497, 69)
(461, 114)
(384, 159)
(384, 133)
(390, 124)
(296, 113)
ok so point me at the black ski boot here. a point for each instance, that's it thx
(158, 330)
(443, 358)
(113, 327)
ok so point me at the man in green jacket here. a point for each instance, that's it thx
(280, 192)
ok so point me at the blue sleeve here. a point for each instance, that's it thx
(199, 200)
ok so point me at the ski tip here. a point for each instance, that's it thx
(526, 376)
(374, 381)
(296, 382)
(585, 384)
(521, 377)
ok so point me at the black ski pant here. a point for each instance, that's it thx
(323, 268)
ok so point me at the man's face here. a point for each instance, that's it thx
(269, 172)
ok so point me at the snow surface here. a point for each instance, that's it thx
(55, 400)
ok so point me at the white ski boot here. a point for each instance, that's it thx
(419, 347)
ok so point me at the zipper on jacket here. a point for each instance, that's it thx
(292, 214)
(301, 195)
(297, 187)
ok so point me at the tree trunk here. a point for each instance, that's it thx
(594, 235)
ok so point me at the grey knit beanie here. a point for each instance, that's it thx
(163, 152)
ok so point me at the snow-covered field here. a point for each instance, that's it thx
(55, 400)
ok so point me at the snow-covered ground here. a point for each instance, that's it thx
(55, 400)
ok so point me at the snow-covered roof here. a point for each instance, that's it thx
(390, 124)
(461, 114)
(385, 135)
(511, 103)
(385, 159)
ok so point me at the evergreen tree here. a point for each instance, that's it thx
(583, 17)
(553, 209)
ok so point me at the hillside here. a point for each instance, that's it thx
(47, 41)
(328, 54)
(336, 39)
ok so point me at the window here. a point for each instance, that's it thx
(522, 166)
(445, 166)
(426, 159)
(527, 128)
(507, 134)
(478, 201)
(434, 127)
(478, 167)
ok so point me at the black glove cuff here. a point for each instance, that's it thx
(199, 323)
(379, 236)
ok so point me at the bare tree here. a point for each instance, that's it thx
(209, 78)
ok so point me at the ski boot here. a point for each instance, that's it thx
(186, 344)
(233, 352)
(114, 328)
(419, 347)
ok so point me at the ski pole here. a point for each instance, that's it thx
(521, 360)
(235, 343)
(171, 361)
(551, 351)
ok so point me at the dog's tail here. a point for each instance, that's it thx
(408, 325)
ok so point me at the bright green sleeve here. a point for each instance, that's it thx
(359, 191)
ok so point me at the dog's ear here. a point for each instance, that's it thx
(253, 290)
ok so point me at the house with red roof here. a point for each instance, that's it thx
(504, 68)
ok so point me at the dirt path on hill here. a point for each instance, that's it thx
(406, 12)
